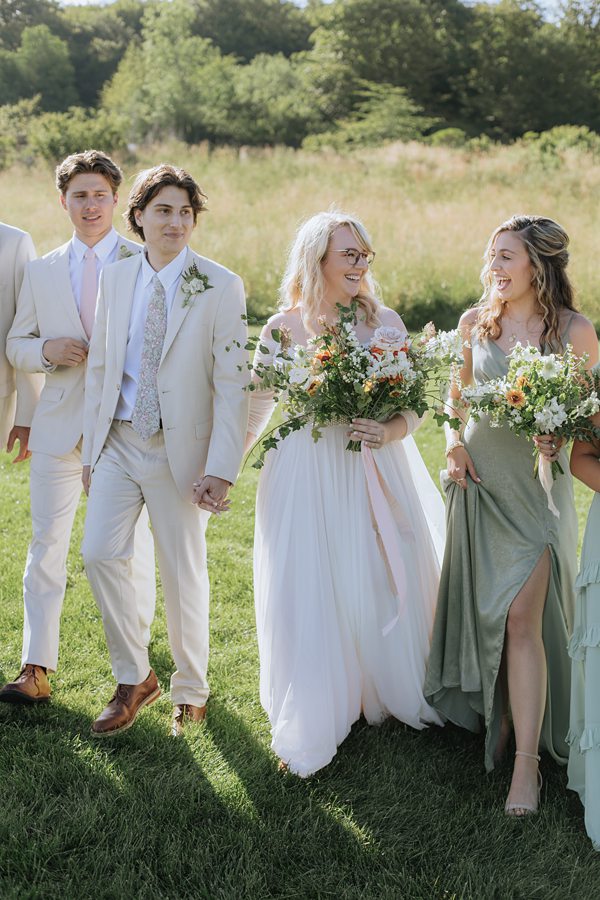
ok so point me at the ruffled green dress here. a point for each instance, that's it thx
(584, 648)
(496, 533)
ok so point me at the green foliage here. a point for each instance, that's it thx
(15, 123)
(383, 113)
(54, 135)
(45, 68)
(448, 137)
(247, 28)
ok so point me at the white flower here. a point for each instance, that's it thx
(298, 375)
(551, 417)
(196, 286)
(589, 407)
(550, 367)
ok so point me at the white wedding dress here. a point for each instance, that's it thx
(325, 603)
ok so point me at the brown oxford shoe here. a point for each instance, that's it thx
(185, 712)
(124, 706)
(32, 686)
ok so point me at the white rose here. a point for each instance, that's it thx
(196, 286)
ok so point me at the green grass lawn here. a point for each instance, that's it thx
(397, 814)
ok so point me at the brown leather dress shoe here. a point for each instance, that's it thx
(32, 686)
(124, 706)
(185, 712)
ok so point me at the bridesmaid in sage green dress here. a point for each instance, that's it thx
(505, 604)
(584, 648)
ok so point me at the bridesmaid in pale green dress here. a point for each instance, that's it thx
(506, 593)
(584, 648)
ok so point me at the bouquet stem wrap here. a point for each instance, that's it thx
(547, 480)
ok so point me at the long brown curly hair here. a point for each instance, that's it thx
(546, 243)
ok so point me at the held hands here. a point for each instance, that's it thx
(459, 465)
(549, 446)
(21, 434)
(210, 493)
(65, 352)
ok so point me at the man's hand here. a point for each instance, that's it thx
(210, 493)
(86, 478)
(65, 352)
(21, 434)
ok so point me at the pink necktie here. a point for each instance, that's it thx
(89, 289)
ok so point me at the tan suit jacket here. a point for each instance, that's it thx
(204, 408)
(16, 250)
(46, 309)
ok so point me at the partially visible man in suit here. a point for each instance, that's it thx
(50, 334)
(165, 422)
(19, 391)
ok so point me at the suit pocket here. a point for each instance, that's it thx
(52, 394)
(203, 429)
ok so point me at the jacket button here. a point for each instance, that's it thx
(118, 387)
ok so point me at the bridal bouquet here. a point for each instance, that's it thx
(551, 394)
(335, 378)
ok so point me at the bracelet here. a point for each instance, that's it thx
(453, 446)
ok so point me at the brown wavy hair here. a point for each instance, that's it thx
(546, 243)
(148, 184)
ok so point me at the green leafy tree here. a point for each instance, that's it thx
(45, 68)
(384, 113)
(16, 15)
(54, 135)
(247, 28)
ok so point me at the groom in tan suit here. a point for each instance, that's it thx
(49, 335)
(165, 422)
(19, 391)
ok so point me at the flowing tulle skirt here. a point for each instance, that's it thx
(324, 595)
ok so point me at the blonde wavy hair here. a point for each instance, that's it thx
(303, 285)
(546, 243)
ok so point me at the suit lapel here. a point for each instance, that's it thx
(179, 311)
(120, 307)
(61, 277)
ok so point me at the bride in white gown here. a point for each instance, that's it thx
(334, 638)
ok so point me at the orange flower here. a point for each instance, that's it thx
(515, 398)
(376, 351)
(324, 356)
(313, 386)
(522, 381)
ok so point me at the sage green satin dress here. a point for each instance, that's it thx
(584, 735)
(496, 533)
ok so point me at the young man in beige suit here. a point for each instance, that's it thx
(50, 334)
(19, 391)
(165, 421)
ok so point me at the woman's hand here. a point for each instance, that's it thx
(549, 446)
(460, 465)
(373, 434)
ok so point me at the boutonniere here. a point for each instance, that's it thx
(194, 282)
(125, 252)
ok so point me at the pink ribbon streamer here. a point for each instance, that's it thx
(386, 527)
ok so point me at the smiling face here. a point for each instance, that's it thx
(511, 268)
(90, 204)
(342, 277)
(167, 222)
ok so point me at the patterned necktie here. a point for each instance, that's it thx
(146, 411)
(89, 289)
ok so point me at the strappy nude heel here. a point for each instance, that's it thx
(511, 808)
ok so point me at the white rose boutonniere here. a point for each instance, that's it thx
(124, 253)
(194, 282)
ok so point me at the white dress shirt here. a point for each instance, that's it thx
(106, 252)
(169, 277)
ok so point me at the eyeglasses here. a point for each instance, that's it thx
(353, 256)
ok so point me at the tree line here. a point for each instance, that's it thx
(256, 72)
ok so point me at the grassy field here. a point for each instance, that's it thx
(398, 814)
(430, 212)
